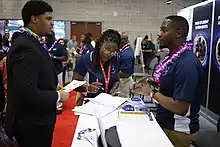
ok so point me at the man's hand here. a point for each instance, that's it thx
(145, 90)
(113, 92)
(146, 81)
(63, 95)
(142, 80)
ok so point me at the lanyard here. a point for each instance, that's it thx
(31, 33)
(82, 49)
(52, 46)
(107, 79)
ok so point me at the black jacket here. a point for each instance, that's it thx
(32, 83)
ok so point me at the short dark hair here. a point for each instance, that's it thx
(109, 36)
(15, 35)
(145, 37)
(180, 23)
(64, 40)
(34, 7)
(5, 41)
(87, 38)
(89, 34)
(50, 39)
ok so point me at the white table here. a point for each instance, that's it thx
(84, 122)
(131, 133)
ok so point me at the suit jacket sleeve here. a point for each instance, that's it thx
(25, 68)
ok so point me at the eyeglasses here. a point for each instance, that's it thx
(110, 53)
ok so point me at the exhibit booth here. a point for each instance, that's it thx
(204, 31)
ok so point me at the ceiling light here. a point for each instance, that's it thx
(169, 2)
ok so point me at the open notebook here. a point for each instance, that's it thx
(101, 105)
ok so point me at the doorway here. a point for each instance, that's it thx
(78, 28)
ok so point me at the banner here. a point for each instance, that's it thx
(214, 104)
(201, 36)
(2, 27)
(187, 13)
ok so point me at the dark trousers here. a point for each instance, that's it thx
(147, 59)
(218, 125)
(64, 75)
(34, 135)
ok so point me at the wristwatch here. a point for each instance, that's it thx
(152, 93)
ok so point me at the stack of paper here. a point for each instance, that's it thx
(108, 100)
(101, 105)
(73, 85)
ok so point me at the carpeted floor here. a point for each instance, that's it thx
(66, 124)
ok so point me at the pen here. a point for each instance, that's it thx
(89, 141)
(150, 116)
(119, 107)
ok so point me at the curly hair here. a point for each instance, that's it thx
(109, 36)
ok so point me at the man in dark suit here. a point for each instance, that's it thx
(32, 81)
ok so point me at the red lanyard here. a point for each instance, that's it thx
(107, 79)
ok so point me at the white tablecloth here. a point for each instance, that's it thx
(130, 133)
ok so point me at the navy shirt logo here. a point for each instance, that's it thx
(113, 69)
(165, 72)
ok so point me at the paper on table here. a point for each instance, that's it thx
(73, 85)
(88, 109)
(101, 105)
(141, 134)
(93, 109)
(108, 100)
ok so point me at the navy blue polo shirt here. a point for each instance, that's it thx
(88, 49)
(58, 50)
(127, 61)
(182, 81)
(85, 68)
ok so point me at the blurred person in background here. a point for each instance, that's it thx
(127, 61)
(86, 44)
(5, 44)
(59, 56)
(72, 47)
(92, 40)
(72, 43)
(85, 47)
(148, 49)
(15, 35)
(65, 62)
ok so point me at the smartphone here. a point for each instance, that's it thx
(152, 83)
